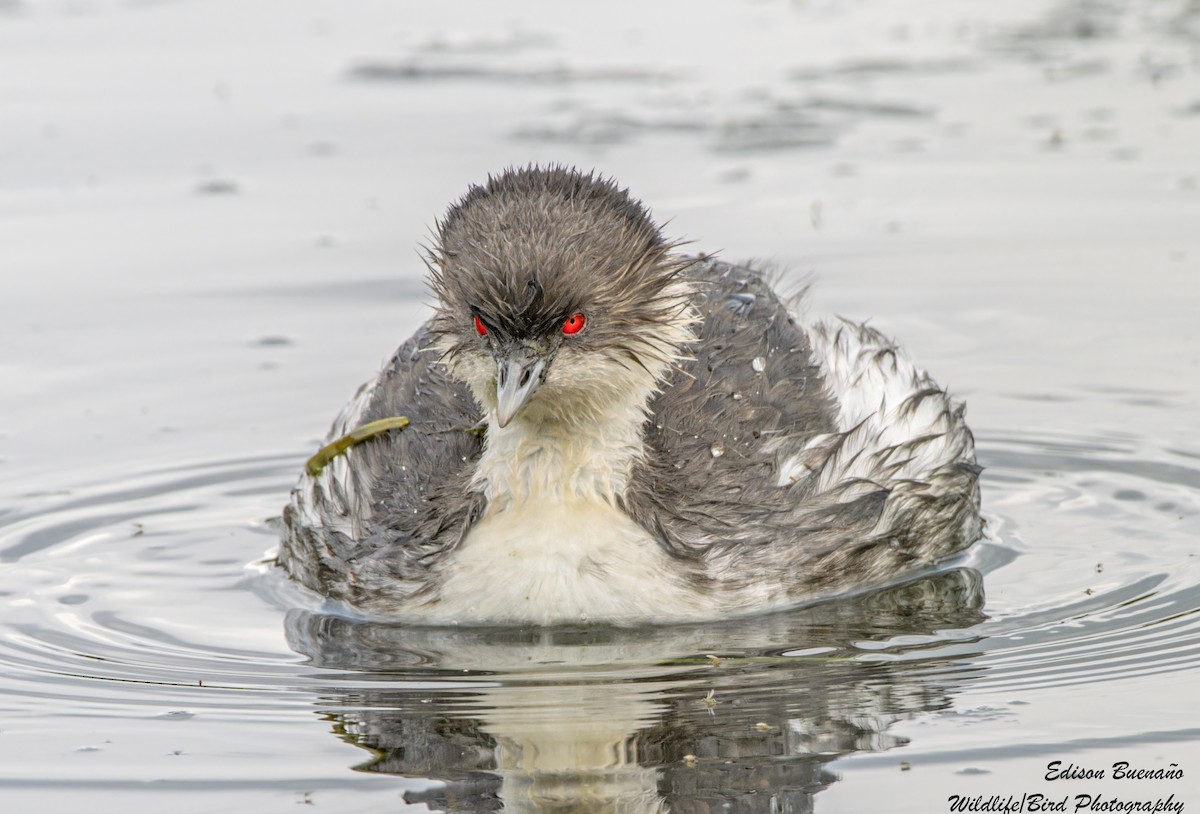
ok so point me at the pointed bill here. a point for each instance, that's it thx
(517, 379)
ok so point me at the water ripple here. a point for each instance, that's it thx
(151, 593)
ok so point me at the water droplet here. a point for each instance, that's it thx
(759, 364)
(717, 450)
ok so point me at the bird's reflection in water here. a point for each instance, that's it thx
(739, 716)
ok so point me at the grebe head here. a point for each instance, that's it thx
(559, 297)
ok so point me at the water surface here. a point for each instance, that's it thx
(209, 212)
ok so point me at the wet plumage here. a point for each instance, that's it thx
(692, 451)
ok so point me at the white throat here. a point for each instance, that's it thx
(531, 462)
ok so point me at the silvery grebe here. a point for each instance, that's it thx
(604, 429)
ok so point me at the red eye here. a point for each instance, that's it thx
(574, 324)
(480, 328)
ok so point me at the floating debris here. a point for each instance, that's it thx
(369, 430)
(218, 186)
(272, 341)
(177, 715)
